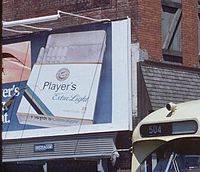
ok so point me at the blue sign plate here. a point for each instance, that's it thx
(44, 147)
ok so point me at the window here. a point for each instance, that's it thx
(171, 30)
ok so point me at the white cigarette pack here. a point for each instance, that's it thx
(63, 84)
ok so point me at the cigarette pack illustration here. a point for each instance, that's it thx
(63, 84)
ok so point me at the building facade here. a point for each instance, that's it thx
(164, 66)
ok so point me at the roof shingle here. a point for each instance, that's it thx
(170, 84)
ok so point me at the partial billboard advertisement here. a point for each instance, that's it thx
(16, 59)
(70, 81)
(16, 69)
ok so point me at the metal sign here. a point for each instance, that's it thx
(44, 147)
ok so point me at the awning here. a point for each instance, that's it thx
(95, 146)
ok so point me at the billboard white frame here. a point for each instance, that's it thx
(121, 92)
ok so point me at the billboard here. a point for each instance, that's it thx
(73, 80)
(16, 68)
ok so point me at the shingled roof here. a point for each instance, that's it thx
(170, 83)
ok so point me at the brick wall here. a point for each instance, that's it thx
(97, 9)
(19, 9)
(145, 16)
(189, 28)
(8, 11)
(149, 28)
